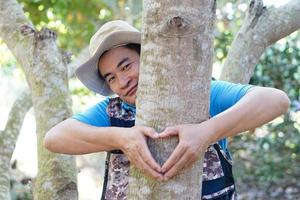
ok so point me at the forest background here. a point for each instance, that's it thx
(266, 163)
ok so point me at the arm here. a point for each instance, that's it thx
(74, 137)
(258, 106)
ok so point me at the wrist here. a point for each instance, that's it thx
(117, 136)
(212, 131)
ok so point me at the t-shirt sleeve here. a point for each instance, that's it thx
(224, 95)
(95, 115)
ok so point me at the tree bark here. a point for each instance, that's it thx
(175, 72)
(9, 135)
(46, 74)
(8, 138)
(262, 27)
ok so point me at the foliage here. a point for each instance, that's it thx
(74, 20)
(77, 20)
(270, 158)
(267, 159)
(279, 67)
(230, 15)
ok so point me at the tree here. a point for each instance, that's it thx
(278, 68)
(8, 139)
(175, 76)
(159, 34)
(256, 34)
(46, 73)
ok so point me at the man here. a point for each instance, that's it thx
(109, 125)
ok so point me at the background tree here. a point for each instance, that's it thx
(277, 168)
(46, 74)
(257, 33)
(8, 139)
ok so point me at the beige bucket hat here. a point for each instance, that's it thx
(110, 35)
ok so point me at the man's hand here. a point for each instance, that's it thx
(194, 139)
(134, 146)
(258, 106)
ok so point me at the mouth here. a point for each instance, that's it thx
(131, 91)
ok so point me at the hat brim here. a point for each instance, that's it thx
(88, 73)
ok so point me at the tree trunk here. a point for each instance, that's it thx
(46, 74)
(8, 138)
(262, 27)
(175, 72)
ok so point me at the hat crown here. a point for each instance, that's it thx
(107, 30)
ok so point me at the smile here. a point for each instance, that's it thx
(132, 91)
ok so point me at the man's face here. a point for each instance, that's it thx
(120, 69)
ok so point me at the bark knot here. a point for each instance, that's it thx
(256, 9)
(46, 33)
(27, 30)
(66, 56)
(177, 22)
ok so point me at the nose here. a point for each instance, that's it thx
(123, 81)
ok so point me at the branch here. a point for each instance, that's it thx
(17, 113)
(8, 138)
(262, 27)
(20, 41)
(14, 123)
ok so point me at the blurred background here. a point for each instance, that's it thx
(266, 161)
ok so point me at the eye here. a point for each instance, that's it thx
(110, 79)
(126, 67)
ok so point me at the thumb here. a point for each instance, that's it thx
(169, 131)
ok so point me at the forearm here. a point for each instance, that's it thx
(74, 137)
(257, 107)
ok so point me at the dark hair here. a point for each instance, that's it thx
(135, 47)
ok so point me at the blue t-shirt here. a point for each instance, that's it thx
(222, 96)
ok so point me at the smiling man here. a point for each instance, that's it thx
(119, 67)
(113, 68)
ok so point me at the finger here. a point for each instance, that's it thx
(150, 132)
(133, 159)
(170, 131)
(146, 169)
(178, 167)
(148, 158)
(173, 159)
(190, 162)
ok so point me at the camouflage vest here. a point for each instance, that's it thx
(218, 183)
